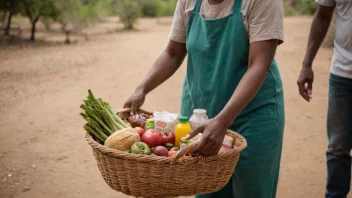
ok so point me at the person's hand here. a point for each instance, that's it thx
(211, 141)
(305, 83)
(135, 101)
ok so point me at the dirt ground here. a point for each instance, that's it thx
(43, 151)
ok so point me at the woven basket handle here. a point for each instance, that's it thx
(187, 150)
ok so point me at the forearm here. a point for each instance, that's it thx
(244, 93)
(164, 67)
(319, 28)
(261, 56)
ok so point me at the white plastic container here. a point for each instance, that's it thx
(199, 116)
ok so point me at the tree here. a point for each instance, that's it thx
(75, 14)
(129, 12)
(35, 9)
(12, 7)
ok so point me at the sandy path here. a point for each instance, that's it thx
(42, 140)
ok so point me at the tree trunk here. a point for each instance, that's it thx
(68, 41)
(8, 25)
(3, 19)
(33, 30)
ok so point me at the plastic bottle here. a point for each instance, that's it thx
(199, 116)
(182, 129)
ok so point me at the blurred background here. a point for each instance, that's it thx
(53, 51)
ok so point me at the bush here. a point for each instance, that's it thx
(289, 10)
(305, 6)
(150, 8)
(156, 8)
(129, 12)
(167, 8)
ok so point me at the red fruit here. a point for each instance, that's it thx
(172, 153)
(226, 147)
(152, 138)
(169, 138)
(140, 131)
(161, 151)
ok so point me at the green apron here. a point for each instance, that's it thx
(217, 60)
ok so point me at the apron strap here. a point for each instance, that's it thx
(197, 6)
(237, 7)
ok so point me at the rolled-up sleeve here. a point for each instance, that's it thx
(329, 3)
(266, 20)
(178, 29)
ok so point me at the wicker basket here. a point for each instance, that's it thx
(160, 177)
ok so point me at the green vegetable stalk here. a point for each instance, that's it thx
(101, 119)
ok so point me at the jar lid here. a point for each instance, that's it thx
(183, 119)
(200, 112)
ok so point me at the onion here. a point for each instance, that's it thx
(122, 139)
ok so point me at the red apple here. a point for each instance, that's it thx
(153, 138)
(161, 151)
(169, 138)
(140, 131)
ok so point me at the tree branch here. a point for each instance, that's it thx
(26, 6)
(40, 13)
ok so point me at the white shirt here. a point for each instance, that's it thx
(342, 58)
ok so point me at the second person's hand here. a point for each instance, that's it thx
(305, 83)
(135, 101)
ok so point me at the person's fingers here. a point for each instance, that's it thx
(310, 88)
(194, 132)
(302, 89)
(199, 149)
(134, 108)
(213, 149)
(209, 150)
(127, 104)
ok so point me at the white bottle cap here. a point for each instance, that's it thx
(200, 112)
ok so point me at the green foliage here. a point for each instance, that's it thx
(13, 6)
(150, 8)
(35, 9)
(129, 12)
(305, 6)
(167, 8)
(289, 10)
(156, 8)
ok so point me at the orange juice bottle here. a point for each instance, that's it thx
(182, 129)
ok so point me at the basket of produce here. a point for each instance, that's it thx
(151, 159)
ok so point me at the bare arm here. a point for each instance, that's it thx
(261, 55)
(319, 28)
(164, 67)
